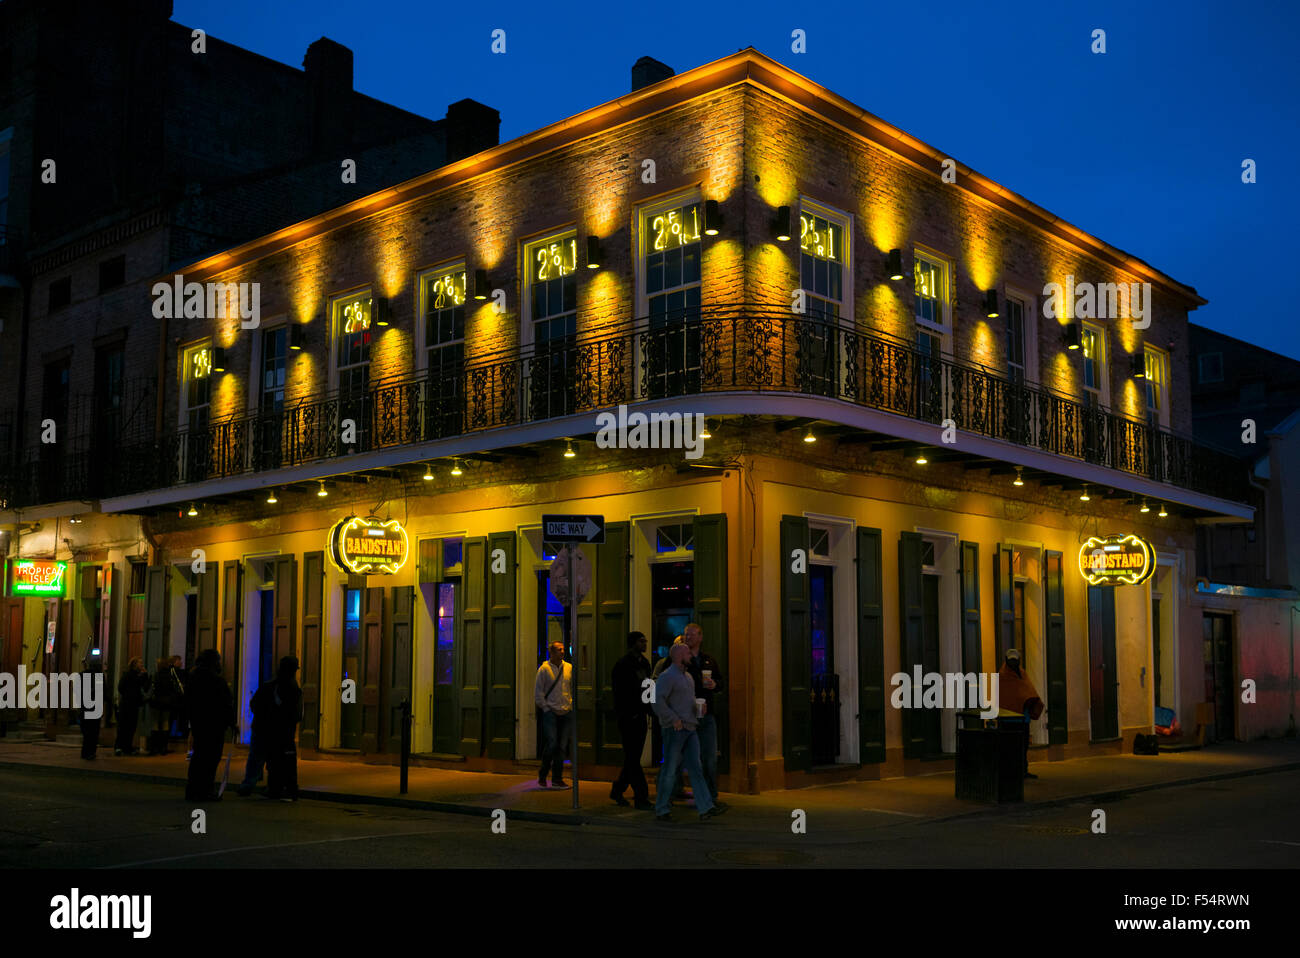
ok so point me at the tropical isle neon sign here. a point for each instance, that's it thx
(368, 546)
(39, 577)
(1117, 560)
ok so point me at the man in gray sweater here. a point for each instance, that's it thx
(675, 706)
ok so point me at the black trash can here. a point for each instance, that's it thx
(990, 764)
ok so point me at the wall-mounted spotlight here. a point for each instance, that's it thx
(781, 225)
(712, 218)
(219, 359)
(1020, 479)
(481, 287)
(1137, 365)
(380, 311)
(193, 511)
(568, 449)
(321, 491)
(991, 303)
(895, 264)
(297, 336)
(1073, 335)
(594, 254)
(270, 499)
(455, 468)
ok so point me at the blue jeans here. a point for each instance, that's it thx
(557, 734)
(681, 747)
(708, 733)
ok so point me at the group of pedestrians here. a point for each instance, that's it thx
(685, 684)
(202, 701)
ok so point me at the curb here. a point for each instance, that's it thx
(1113, 794)
(555, 818)
(453, 808)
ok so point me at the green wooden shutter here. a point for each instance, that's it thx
(156, 602)
(502, 578)
(1057, 716)
(612, 558)
(796, 645)
(286, 608)
(472, 625)
(910, 616)
(710, 591)
(397, 667)
(871, 649)
(971, 652)
(584, 667)
(1003, 585)
(232, 618)
(205, 625)
(431, 561)
(372, 654)
(313, 621)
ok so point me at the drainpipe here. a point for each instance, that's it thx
(1290, 728)
(1262, 526)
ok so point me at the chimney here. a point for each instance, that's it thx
(648, 70)
(328, 66)
(471, 128)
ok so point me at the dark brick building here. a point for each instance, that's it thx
(160, 155)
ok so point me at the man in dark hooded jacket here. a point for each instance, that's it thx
(283, 716)
(211, 711)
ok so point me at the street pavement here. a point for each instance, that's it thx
(1228, 806)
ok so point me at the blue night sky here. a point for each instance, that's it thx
(1141, 146)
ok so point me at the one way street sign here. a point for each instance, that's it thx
(573, 528)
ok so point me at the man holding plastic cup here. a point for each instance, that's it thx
(677, 710)
(708, 683)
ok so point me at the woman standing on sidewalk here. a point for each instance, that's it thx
(131, 690)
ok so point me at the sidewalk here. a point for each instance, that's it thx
(839, 808)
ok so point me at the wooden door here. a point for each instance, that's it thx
(500, 645)
(396, 664)
(313, 622)
(709, 589)
(372, 653)
(796, 645)
(871, 649)
(473, 623)
(1054, 595)
(911, 614)
(1104, 704)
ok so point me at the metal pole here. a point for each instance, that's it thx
(573, 637)
(406, 742)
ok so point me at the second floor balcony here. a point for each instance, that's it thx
(779, 360)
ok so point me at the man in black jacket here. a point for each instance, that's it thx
(629, 672)
(708, 683)
(283, 716)
(211, 711)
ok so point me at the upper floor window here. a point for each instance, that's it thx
(352, 337)
(444, 320)
(112, 273)
(670, 288)
(1210, 367)
(1016, 352)
(1096, 382)
(274, 356)
(444, 346)
(931, 286)
(552, 297)
(823, 256)
(198, 385)
(1157, 386)
(60, 293)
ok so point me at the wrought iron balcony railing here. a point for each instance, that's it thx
(718, 350)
